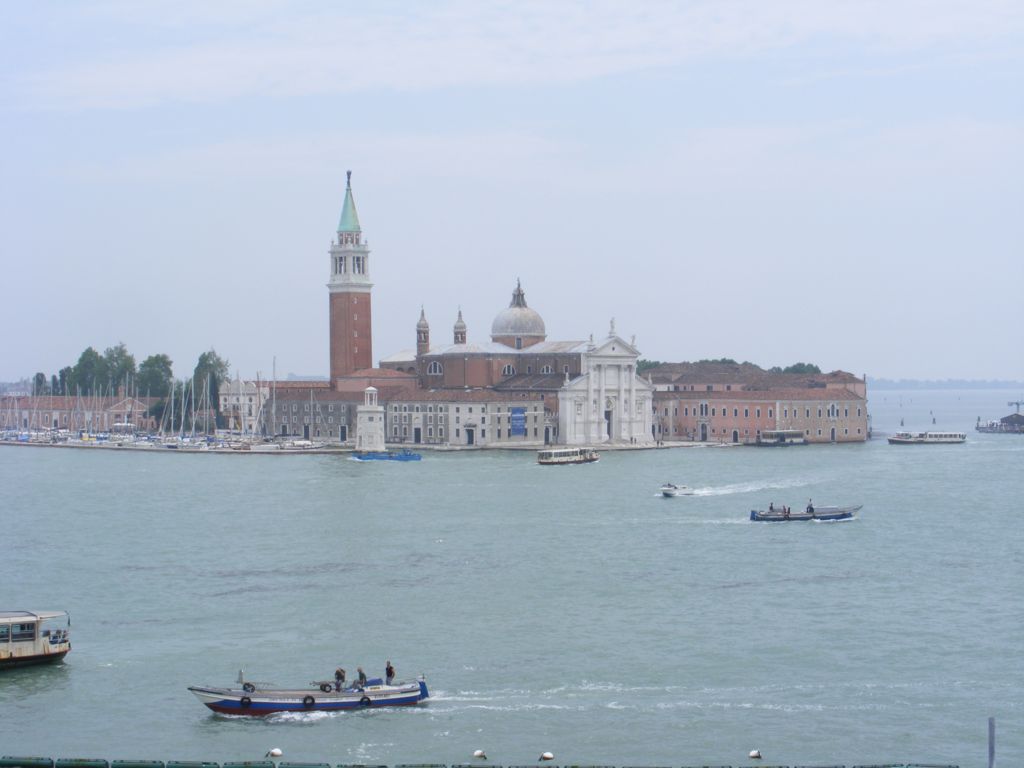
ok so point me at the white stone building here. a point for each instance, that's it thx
(242, 404)
(608, 402)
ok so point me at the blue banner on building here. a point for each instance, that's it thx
(518, 422)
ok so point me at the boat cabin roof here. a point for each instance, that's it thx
(11, 617)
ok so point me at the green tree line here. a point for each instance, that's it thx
(107, 373)
(643, 366)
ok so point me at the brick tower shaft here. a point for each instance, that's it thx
(351, 325)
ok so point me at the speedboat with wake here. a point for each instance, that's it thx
(252, 698)
(668, 490)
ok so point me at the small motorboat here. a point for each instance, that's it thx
(810, 513)
(261, 699)
(668, 490)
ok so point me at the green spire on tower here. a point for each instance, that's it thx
(349, 221)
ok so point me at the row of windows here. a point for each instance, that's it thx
(458, 408)
(832, 412)
(305, 407)
(17, 632)
(317, 420)
(436, 369)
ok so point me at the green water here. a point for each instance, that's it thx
(569, 609)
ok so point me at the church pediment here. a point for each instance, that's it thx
(615, 346)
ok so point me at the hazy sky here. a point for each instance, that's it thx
(833, 182)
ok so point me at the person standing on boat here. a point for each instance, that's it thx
(389, 672)
(339, 678)
(771, 506)
(810, 506)
(362, 677)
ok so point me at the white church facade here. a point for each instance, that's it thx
(608, 402)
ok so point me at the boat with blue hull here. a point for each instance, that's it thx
(403, 455)
(811, 513)
(255, 699)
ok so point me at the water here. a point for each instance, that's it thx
(569, 609)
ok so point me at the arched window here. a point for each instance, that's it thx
(434, 369)
(508, 370)
(546, 369)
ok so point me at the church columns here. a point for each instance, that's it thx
(632, 403)
(589, 413)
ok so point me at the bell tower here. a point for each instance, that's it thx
(459, 329)
(422, 334)
(349, 294)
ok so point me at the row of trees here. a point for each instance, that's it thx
(645, 365)
(105, 374)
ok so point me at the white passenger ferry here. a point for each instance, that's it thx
(913, 438)
(776, 437)
(567, 456)
(28, 637)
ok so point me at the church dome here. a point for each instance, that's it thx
(518, 320)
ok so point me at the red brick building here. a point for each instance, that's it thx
(733, 403)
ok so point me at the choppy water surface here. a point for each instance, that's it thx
(565, 609)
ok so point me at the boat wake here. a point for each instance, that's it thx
(749, 487)
(297, 717)
(589, 697)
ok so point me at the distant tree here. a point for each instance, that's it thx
(90, 372)
(120, 365)
(54, 386)
(64, 379)
(646, 365)
(726, 360)
(64, 382)
(155, 376)
(802, 368)
(39, 385)
(210, 372)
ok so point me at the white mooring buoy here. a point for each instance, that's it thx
(479, 754)
(755, 754)
(275, 752)
(545, 756)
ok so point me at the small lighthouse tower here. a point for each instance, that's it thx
(370, 422)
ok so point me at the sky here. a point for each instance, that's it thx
(832, 182)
